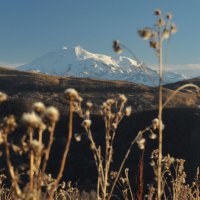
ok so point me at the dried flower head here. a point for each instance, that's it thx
(77, 137)
(37, 147)
(160, 23)
(39, 108)
(31, 120)
(72, 94)
(114, 125)
(9, 123)
(86, 123)
(89, 104)
(145, 33)
(128, 111)
(3, 97)
(123, 98)
(141, 142)
(42, 127)
(166, 34)
(52, 114)
(157, 12)
(153, 44)
(173, 28)
(152, 135)
(169, 16)
(155, 123)
(141, 146)
(117, 47)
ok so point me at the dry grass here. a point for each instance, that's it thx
(170, 176)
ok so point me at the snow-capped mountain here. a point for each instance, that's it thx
(76, 61)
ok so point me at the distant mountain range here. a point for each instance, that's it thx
(78, 62)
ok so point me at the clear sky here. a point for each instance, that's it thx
(31, 28)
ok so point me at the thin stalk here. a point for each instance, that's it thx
(141, 170)
(62, 166)
(31, 175)
(10, 167)
(160, 120)
(124, 160)
(40, 134)
(47, 153)
(178, 89)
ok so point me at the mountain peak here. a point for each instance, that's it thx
(78, 62)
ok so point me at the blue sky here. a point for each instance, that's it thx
(31, 28)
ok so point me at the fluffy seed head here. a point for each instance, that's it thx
(9, 122)
(173, 28)
(145, 33)
(86, 123)
(31, 120)
(160, 22)
(165, 34)
(141, 146)
(128, 111)
(39, 107)
(77, 137)
(169, 16)
(152, 135)
(123, 98)
(157, 12)
(37, 147)
(89, 104)
(141, 142)
(72, 94)
(52, 114)
(116, 46)
(156, 123)
(153, 44)
(3, 97)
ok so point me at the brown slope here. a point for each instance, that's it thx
(30, 87)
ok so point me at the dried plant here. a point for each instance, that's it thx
(163, 29)
(173, 182)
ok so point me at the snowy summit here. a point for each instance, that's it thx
(78, 62)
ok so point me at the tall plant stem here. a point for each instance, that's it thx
(160, 120)
(124, 160)
(10, 167)
(47, 153)
(64, 158)
(31, 160)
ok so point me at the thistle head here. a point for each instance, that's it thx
(9, 123)
(169, 16)
(117, 47)
(157, 12)
(3, 97)
(72, 95)
(39, 108)
(145, 33)
(52, 114)
(31, 120)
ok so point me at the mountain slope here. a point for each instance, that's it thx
(30, 87)
(78, 62)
